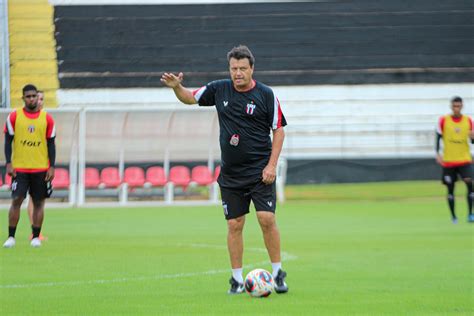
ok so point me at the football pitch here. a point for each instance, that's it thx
(372, 249)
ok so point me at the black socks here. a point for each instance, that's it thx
(36, 231)
(11, 231)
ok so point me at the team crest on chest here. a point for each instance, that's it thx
(250, 108)
(457, 130)
(31, 129)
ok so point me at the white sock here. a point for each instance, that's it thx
(275, 266)
(237, 275)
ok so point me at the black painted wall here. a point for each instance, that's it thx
(361, 170)
(334, 42)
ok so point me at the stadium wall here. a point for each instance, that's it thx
(329, 122)
(361, 170)
(295, 43)
(335, 133)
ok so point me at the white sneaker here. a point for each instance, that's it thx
(9, 243)
(35, 242)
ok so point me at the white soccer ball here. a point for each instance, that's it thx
(259, 283)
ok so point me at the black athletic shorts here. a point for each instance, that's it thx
(236, 202)
(34, 183)
(450, 174)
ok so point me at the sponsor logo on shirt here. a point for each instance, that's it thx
(30, 143)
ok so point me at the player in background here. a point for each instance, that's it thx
(248, 112)
(30, 154)
(30, 207)
(456, 131)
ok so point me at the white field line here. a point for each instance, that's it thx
(285, 257)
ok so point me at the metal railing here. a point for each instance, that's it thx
(5, 62)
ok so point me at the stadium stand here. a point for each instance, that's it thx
(32, 49)
(337, 132)
(301, 43)
(4, 55)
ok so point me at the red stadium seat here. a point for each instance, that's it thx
(217, 172)
(92, 178)
(61, 178)
(179, 176)
(156, 176)
(110, 177)
(134, 177)
(8, 180)
(201, 175)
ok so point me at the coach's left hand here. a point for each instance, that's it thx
(269, 174)
(50, 174)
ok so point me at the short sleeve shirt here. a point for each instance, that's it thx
(246, 120)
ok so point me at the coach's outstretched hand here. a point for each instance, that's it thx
(172, 80)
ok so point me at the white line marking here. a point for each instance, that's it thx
(284, 256)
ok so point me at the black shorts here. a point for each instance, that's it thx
(34, 183)
(236, 202)
(450, 175)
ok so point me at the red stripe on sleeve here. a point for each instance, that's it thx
(50, 128)
(279, 114)
(196, 91)
(12, 118)
(441, 124)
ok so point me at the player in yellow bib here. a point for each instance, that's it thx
(456, 132)
(30, 207)
(30, 154)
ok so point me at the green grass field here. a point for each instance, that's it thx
(374, 249)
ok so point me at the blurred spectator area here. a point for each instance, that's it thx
(299, 43)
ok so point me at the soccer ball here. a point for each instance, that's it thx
(259, 283)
